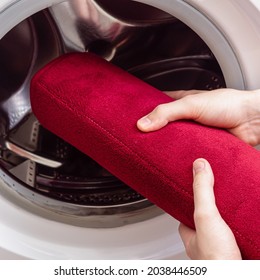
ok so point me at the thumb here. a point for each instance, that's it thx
(204, 199)
(165, 113)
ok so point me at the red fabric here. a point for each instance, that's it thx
(95, 106)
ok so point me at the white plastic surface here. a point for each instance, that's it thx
(38, 238)
(6, 3)
(239, 22)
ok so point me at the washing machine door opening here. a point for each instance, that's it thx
(42, 168)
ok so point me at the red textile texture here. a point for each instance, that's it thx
(94, 106)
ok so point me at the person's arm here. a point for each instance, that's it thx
(239, 113)
(213, 239)
(236, 111)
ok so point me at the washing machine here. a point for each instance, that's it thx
(57, 203)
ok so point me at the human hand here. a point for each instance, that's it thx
(213, 239)
(236, 111)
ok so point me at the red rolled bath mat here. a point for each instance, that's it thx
(94, 106)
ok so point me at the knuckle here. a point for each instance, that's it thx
(198, 180)
(159, 110)
(207, 212)
(189, 99)
(194, 104)
(203, 178)
(202, 216)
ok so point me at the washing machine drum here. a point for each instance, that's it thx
(60, 171)
(47, 164)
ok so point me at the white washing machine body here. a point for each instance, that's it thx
(231, 29)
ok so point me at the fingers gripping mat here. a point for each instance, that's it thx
(94, 106)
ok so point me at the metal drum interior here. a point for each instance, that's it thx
(141, 39)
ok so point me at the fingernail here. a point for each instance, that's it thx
(198, 165)
(145, 122)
